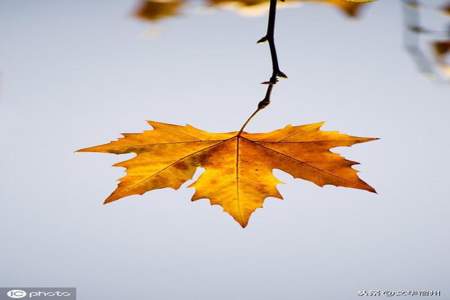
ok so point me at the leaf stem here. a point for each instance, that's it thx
(248, 120)
(276, 72)
(261, 105)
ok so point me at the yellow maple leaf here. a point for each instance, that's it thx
(238, 165)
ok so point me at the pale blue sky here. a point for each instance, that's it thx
(78, 73)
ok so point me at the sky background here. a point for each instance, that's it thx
(78, 73)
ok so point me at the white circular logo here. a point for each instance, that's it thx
(16, 294)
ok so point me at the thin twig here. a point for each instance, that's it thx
(276, 72)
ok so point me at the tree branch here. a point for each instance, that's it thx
(276, 72)
(269, 37)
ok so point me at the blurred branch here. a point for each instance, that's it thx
(414, 30)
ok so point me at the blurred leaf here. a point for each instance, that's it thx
(155, 10)
(446, 9)
(441, 50)
(249, 7)
(350, 8)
